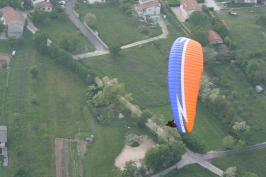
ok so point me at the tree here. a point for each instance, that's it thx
(68, 42)
(90, 19)
(241, 129)
(131, 169)
(113, 1)
(206, 92)
(221, 29)
(248, 174)
(158, 120)
(12, 42)
(115, 49)
(171, 133)
(34, 72)
(228, 142)
(230, 172)
(142, 171)
(40, 41)
(197, 17)
(159, 157)
(193, 142)
(2, 27)
(199, 34)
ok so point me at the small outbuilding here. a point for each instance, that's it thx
(259, 89)
(214, 38)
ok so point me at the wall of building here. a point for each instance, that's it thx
(152, 10)
(15, 30)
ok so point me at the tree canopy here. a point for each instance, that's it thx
(199, 34)
(159, 157)
(90, 19)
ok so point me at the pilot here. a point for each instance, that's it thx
(171, 124)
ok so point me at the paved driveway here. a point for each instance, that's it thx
(92, 38)
(178, 13)
(212, 3)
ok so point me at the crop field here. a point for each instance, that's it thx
(122, 33)
(57, 27)
(251, 161)
(243, 29)
(49, 107)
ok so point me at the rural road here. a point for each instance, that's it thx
(202, 159)
(79, 24)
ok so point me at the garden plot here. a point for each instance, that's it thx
(68, 154)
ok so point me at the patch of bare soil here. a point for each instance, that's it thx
(62, 155)
(134, 153)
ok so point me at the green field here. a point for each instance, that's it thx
(194, 170)
(3, 170)
(57, 27)
(53, 106)
(244, 100)
(4, 47)
(251, 161)
(144, 72)
(243, 29)
(113, 26)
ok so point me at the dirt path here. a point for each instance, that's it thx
(264, 35)
(134, 153)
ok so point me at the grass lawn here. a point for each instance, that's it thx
(57, 27)
(3, 76)
(251, 161)
(204, 124)
(113, 26)
(195, 170)
(243, 29)
(3, 170)
(53, 106)
(144, 72)
(4, 47)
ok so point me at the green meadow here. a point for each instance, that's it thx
(56, 27)
(115, 27)
(243, 29)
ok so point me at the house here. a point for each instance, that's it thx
(214, 38)
(46, 6)
(3, 138)
(34, 2)
(150, 8)
(13, 21)
(246, 1)
(259, 89)
(96, 1)
(187, 7)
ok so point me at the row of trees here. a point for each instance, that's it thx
(40, 42)
(223, 109)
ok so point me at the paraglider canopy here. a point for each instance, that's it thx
(185, 68)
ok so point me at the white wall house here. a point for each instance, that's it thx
(33, 2)
(96, 1)
(187, 7)
(151, 8)
(13, 21)
(246, 1)
(46, 6)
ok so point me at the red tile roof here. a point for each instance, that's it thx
(43, 4)
(213, 36)
(12, 16)
(190, 5)
(149, 4)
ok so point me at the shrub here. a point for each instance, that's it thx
(4, 66)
